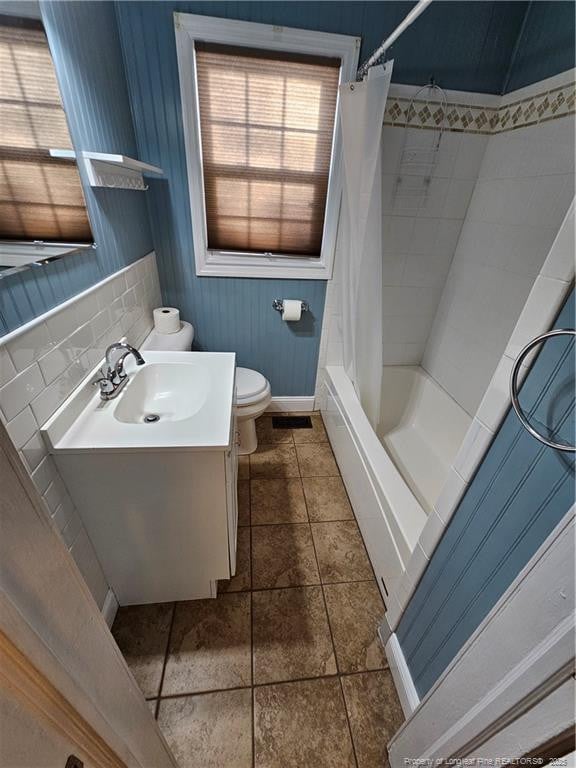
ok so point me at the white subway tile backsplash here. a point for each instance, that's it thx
(19, 392)
(22, 427)
(34, 451)
(67, 343)
(7, 368)
(29, 346)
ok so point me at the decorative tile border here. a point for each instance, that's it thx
(433, 115)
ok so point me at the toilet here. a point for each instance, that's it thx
(253, 393)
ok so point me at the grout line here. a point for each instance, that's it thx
(252, 669)
(348, 720)
(166, 654)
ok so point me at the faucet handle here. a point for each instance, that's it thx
(106, 385)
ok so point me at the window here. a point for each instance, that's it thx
(41, 196)
(262, 145)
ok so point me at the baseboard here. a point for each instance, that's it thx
(407, 693)
(110, 607)
(291, 404)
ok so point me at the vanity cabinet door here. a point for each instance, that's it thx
(232, 495)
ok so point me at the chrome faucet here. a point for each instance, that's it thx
(113, 376)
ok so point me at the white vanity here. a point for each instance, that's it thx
(153, 474)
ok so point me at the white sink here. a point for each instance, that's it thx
(164, 392)
(176, 400)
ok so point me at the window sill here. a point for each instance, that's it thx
(218, 264)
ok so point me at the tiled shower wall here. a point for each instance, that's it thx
(525, 186)
(43, 361)
(427, 240)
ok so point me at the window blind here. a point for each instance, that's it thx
(266, 123)
(41, 197)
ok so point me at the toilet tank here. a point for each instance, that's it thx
(181, 341)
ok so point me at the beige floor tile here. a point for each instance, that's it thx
(274, 461)
(301, 725)
(213, 730)
(141, 632)
(340, 552)
(210, 645)
(243, 467)
(266, 433)
(277, 501)
(283, 556)
(317, 460)
(355, 610)
(315, 435)
(290, 635)
(326, 499)
(375, 715)
(241, 581)
(243, 502)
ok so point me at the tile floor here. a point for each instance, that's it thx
(284, 669)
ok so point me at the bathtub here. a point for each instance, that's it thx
(395, 474)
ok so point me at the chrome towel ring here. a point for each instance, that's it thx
(514, 388)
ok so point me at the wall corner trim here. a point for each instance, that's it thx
(407, 692)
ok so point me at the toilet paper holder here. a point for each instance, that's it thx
(278, 305)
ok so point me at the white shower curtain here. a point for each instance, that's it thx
(360, 234)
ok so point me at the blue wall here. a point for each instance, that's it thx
(462, 44)
(545, 44)
(520, 492)
(84, 41)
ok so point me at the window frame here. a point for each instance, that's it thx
(192, 27)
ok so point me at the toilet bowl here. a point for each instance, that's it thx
(252, 389)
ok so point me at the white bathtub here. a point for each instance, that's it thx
(394, 477)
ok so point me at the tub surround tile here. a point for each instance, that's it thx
(274, 461)
(451, 493)
(315, 435)
(213, 730)
(340, 552)
(374, 713)
(317, 460)
(141, 632)
(243, 502)
(291, 635)
(268, 435)
(355, 610)
(326, 499)
(277, 501)
(301, 724)
(474, 446)
(242, 580)
(283, 556)
(209, 645)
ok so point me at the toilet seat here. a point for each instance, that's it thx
(251, 387)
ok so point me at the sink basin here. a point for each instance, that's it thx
(176, 400)
(163, 392)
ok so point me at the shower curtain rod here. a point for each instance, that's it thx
(379, 52)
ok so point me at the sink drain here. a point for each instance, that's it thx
(150, 418)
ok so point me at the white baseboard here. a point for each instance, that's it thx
(110, 607)
(291, 404)
(407, 693)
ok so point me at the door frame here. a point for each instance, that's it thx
(52, 627)
(511, 686)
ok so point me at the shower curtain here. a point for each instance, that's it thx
(360, 235)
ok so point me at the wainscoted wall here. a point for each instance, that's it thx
(525, 186)
(545, 45)
(234, 313)
(42, 362)
(84, 42)
(520, 492)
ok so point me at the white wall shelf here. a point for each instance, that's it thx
(110, 170)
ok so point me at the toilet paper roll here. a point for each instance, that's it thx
(166, 320)
(292, 310)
